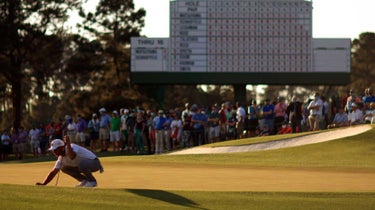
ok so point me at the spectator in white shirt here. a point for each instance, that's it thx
(355, 117)
(315, 107)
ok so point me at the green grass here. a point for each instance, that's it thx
(32, 197)
(352, 154)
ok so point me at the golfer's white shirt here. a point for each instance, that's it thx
(81, 153)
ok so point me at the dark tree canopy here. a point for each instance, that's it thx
(25, 34)
(363, 62)
(115, 22)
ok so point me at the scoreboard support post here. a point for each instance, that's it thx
(240, 93)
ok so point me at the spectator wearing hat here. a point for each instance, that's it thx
(316, 109)
(159, 122)
(93, 126)
(214, 124)
(199, 120)
(231, 127)
(352, 98)
(114, 134)
(355, 117)
(104, 127)
(369, 116)
(75, 161)
(71, 128)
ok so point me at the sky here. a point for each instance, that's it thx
(331, 18)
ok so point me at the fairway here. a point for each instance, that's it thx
(192, 177)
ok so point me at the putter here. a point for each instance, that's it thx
(57, 178)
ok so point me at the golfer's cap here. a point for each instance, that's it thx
(94, 115)
(102, 110)
(56, 144)
(161, 111)
(354, 105)
(126, 111)
(115, 112)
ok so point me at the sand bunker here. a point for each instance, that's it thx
(292, 142)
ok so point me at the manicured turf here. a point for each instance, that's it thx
(32, 197)
(338, 174)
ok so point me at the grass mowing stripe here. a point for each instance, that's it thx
(32, 197)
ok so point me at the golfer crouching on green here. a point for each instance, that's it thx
(75, 161)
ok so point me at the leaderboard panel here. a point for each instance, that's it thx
(241, 36)
(332, 55)
(188, 36)
(149, 54)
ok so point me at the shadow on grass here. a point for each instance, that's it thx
(166, 197)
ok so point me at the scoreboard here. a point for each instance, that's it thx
(240, 41)
(150, 54)
(241, 36)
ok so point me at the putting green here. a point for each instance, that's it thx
(204, 177)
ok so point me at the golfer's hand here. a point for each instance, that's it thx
(67, 140)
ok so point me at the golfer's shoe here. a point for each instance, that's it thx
(82, 183)
(91, 184)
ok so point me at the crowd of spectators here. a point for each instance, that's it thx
(138, 131)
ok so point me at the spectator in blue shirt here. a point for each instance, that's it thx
(159, 124)
(268, 114)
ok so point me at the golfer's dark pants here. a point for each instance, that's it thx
(84, 169)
